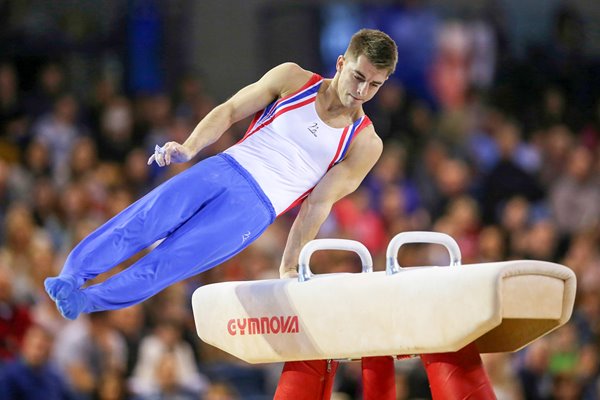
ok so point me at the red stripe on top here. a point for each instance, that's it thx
(339, 149)
(278, 113)
(313, 79)
(365, 122)
(254, 121)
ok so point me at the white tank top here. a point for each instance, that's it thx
(288, 148)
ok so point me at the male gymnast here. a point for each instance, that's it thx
(310, 142)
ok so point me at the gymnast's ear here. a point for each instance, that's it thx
(339, 64)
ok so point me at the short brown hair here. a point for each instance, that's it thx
(377, 46)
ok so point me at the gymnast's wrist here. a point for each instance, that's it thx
(288, 272)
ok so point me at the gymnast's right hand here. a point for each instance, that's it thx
(170, 152)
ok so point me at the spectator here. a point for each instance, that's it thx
(515, 219)
(37, 161)
(575, 196)
(58, 131)
(20, 233)
(166, 346)
(564, 351)
(130, 323)
(556, 144)
(86, 350)
(167, 384)
(221, 391)
(82, 159)
(464, 217)
(534, 377)
(137, 174)
(33, 376)
(116, 136)
(112, 386)
(192, 101)
(566, 387)
(9, 93)
(13, 119)
(15, 318)
(541, 241)
(507, 178)
(453, 179)
(51, 83)
(492, 244)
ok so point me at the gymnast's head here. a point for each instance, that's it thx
(367, 63)
(377, 46)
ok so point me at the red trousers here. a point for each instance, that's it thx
(452, 376)
(313, 380)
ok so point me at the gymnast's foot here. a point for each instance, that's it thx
(72, 305)
(59, 288)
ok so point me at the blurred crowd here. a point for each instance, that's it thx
(505, 184)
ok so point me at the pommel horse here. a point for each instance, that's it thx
(446, 315)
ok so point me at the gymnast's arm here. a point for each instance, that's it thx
(277, 82)
(338, 182)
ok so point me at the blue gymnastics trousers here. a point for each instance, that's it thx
(206, 215)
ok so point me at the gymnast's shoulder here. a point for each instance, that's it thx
(289, 76)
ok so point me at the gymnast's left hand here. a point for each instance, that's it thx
(171, 152)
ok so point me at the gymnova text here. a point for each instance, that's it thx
(263, 325)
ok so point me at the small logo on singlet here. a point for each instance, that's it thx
(245, 236)
(313, 129)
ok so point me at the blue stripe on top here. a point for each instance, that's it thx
(266, 111)
(355, 125)
(299, 96)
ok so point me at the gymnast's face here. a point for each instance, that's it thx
(359, 80)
